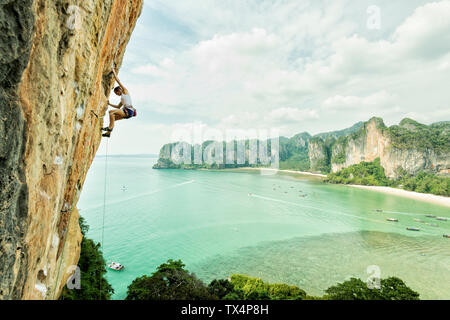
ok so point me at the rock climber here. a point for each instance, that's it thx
(124, 110)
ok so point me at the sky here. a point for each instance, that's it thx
(197, 69)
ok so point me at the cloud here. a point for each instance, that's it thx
(426, 34)
(377, 100)
(303, 66)
(290, 115)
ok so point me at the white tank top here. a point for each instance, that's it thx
(126, 100)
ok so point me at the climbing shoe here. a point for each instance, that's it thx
(107, 134)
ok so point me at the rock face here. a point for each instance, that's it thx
(411, 146)
(55, 63)
(319, 157)
(370, 143)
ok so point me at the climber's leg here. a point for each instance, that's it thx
(115, 115)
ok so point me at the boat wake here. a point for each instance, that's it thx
(146, 194)
(319, 209)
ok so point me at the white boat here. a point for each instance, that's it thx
(116, 266)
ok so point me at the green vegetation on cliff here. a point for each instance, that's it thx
(372, 174)
(410, 134)
(319, 153)
(172, 281)
(294, 152)
(94, 285)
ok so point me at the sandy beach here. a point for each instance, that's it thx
(431, 198)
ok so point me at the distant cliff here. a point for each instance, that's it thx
(55, 63)
(410, 146)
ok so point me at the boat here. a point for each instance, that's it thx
(392, 220)
(418, 220)
(412, 229)
(432, 224)
(430, 216)
(442, 219)
(379, 210)
(116, 266)
(447, 236)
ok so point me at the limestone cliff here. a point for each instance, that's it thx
(410, 146)
(55, 63)
(319, 155)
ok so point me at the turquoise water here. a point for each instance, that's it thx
(281, 228)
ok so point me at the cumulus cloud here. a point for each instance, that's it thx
(302, 66)
(286, 115)
(377, 100)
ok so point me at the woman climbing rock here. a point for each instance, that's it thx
(125, 107)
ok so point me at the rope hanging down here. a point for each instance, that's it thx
(104, 213)
(104, 195)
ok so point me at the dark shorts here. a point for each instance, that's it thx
(129, 113)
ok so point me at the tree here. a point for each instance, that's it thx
(283, 291)
(170, 282)
(94, 285)
(256, 289)
(236, 294)
(395, 289)
(355, 289)
(220, 288)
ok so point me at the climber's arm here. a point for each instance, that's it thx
(115, 106)
(120, 83)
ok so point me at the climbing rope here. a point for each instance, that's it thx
(104, 211)
(104, 195)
